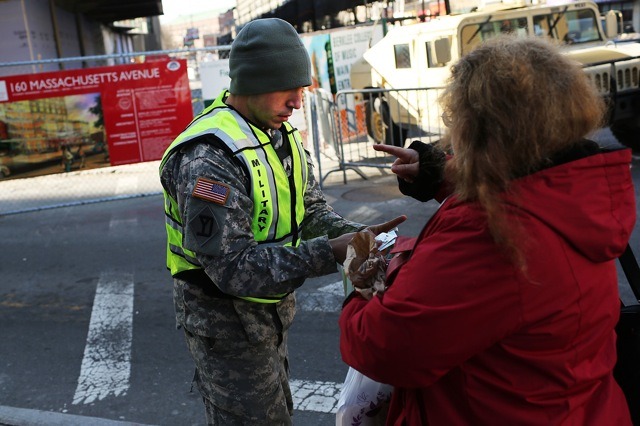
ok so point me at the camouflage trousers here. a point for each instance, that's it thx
(243, 383)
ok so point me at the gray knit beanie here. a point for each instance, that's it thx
(268, 56)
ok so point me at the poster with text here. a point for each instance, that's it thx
(63, 120)
(347, 48)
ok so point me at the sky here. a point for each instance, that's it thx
(175, 8)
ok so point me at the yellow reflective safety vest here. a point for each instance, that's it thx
(278, 201)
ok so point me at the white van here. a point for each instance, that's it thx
(420, 55)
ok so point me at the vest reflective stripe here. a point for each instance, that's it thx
(300, 179)
(175, 232)
(178, 258)
(265, 300)
(278, 206)
(264, 192)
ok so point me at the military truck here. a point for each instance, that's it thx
(420, 55)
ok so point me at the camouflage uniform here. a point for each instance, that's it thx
(240, 347)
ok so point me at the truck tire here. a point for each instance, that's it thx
(628, 133)
(369, 119)
(380, 126)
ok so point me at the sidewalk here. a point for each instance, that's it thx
(79, 187)
(117, 182)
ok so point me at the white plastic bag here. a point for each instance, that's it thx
(363, 402)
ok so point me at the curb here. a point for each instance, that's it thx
(10, 416)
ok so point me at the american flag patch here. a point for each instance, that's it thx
(211, 191)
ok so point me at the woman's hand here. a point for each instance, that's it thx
(386, 226)
(406, 165)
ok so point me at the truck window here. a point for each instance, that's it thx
(571, 27)
(402, 54)
(432, 61)
(474, 34)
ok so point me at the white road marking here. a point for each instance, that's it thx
(321, 397)
(335, 289)
(318, 396)
(106, 365)
(327, 299)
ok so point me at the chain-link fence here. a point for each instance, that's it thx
(79, 187)
(340, 129)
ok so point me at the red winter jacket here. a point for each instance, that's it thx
(466, 339)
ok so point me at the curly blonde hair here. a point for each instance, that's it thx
(510, 105)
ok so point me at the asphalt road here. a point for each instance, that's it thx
(87, 325)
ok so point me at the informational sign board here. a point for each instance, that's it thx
(346, 48)
(214, 76)
(137, 109)
(349, 46)
(332, 54)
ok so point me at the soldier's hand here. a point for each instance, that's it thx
(339, 244)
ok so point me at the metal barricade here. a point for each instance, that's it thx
(341, 129)
(346, 127)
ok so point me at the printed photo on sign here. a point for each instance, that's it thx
(63, 133)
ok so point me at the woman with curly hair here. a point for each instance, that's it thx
(504, 312)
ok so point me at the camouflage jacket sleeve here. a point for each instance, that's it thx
(221, 235)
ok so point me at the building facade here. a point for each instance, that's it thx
(314, 15)
(33, 30)
(190, 30)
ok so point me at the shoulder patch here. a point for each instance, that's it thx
(211, 190)
(203, 226)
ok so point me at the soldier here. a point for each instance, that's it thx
(67, 158)
(247, 223)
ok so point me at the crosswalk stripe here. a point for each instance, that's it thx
(106, 365)
(315, 396)
(311, 395)
(328, 298)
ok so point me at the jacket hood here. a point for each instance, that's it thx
(590, 202)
